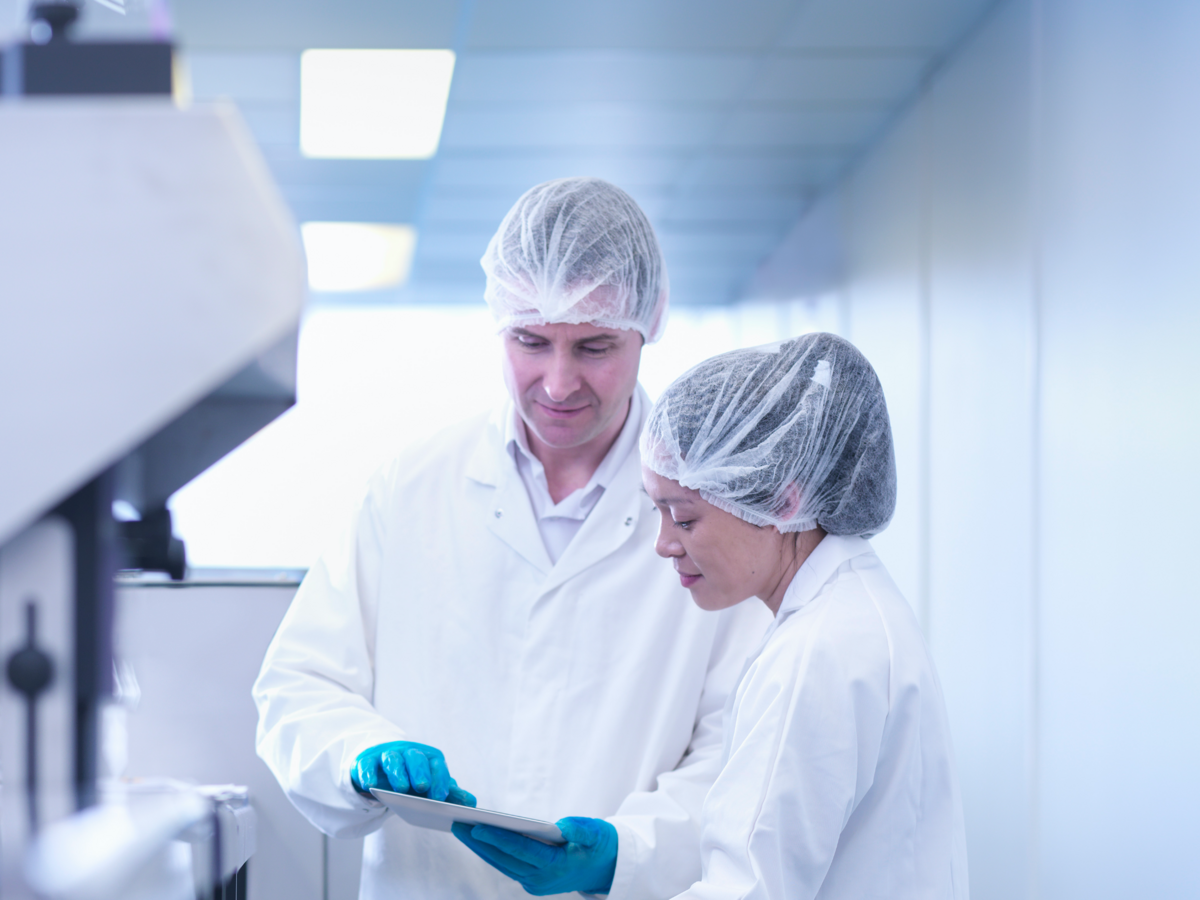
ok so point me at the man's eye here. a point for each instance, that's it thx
(595, 350)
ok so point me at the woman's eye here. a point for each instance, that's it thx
(685, 525)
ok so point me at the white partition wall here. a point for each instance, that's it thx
(195, 652)
(1021, 261)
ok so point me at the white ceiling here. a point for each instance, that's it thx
(722, 117)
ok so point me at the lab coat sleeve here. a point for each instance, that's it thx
(659, 831)
(805, 746)
(315, 688)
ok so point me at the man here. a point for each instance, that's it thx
(497, 612)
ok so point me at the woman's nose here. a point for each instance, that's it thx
(665, 546)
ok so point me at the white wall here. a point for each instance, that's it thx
(373, 380)
(195, 652)
(1020, 261)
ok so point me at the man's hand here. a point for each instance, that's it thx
(405, 767)
(586, 863)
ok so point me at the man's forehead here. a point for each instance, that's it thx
(584, 331)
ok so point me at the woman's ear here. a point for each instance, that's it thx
(789, 503)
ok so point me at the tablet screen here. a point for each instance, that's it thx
(426, 813)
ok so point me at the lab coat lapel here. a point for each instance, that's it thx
(509, 515)
(613, 522)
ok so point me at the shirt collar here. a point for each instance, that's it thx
(517, 441)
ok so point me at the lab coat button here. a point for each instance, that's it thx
(629, 521)
(499, 513)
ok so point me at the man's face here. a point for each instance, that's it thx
(571, 383)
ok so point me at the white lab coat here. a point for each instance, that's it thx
(839, 779)
(592, 687)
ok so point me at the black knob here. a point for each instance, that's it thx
(30, 669)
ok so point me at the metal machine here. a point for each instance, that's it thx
(151, 283)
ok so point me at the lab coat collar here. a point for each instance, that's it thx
(833, 550)
(612, 522)
(486, 464)
(510, 515)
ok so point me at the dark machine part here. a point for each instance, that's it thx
(59, 66)
(150, 545)
(89, 513)
(30, 671)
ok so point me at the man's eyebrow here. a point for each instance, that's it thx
(598, 337)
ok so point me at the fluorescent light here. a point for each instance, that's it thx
(356, 256)
(373, 104)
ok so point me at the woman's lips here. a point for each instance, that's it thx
(688, 580)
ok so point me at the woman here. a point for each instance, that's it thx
(771, 467)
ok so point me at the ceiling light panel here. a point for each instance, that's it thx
(357, 256)
(373, 104)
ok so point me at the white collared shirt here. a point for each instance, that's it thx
(559, 522)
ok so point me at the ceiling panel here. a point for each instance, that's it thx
(760, 168)
(315, 204)
(722, 119)
(599, 75)
(250, 77)
(273, 125)
(716, 245)
(578, 125)
(470, 207)
(653, 24)
(350, 173)
(865, 78)
(297, 24)
(748, 206)
(841, 127)
(522, 170)
(928, 25)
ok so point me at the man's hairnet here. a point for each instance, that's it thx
(577, 250)
(794, 435)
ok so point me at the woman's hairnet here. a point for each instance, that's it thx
(577, 250)
(794, 435)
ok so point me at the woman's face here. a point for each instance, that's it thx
(720, 558)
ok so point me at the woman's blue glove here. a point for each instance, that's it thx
(405, 767)
(586, 863)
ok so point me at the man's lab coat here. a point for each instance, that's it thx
(840, 781)
(592, 687)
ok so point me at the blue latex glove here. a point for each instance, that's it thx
(406, 767)
(586, 863)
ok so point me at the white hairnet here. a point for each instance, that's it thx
(577, 250)
(794, 435)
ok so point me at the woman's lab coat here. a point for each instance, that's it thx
(839, 779)
(592, 687)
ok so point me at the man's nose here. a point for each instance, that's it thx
(561, 379)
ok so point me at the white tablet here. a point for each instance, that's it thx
(426, 813)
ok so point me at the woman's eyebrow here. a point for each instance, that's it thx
(674, 501)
